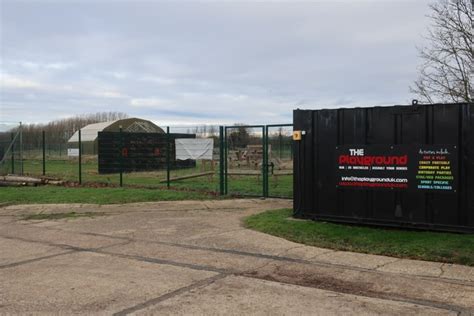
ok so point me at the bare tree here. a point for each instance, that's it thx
(213, 131)
(446, 74)
(203, 131)
(240, 136)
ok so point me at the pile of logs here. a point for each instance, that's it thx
(19, 181)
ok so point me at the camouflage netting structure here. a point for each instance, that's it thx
(89, 133)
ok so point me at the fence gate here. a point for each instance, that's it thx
(244, 160)
(258, 160)
(279, 161)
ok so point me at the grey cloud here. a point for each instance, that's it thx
(207, 61)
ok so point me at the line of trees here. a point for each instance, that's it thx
(206, 131)
(59, 131)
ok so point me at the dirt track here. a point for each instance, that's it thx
(194, 257)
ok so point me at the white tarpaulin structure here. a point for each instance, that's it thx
(194, 148)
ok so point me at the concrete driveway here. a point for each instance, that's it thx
(194, 257)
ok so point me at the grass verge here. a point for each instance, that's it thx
(55, 194)
(432, 246)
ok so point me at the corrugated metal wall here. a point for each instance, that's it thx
(316, 194)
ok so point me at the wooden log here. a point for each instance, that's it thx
(48, 178)
(10, 178)
(11, 184)
(54, 182)
(190, 176)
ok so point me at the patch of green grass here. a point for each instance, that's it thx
(55, 194)
(278, 186)
(53, 216)
(423, 245)
(68, 170)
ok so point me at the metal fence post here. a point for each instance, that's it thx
(280, 142)
(44, 153)
(13, 153)
(221, 160)
(225, 162)
(265, 161)
(121, 156)
(168, 156)
(80, 157)
(21, 149)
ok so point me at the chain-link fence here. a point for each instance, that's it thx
(235, 160)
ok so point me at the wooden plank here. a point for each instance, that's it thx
(244, 173)
(190, 176)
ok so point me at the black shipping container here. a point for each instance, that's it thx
(398, 166)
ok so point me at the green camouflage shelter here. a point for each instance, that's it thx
(90, 132)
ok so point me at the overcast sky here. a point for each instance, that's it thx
(205, 62)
